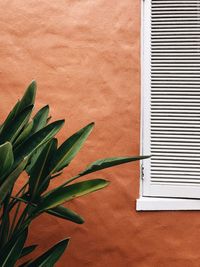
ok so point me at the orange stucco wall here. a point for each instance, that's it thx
(85, 57)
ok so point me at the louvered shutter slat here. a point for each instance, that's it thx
(172, 98)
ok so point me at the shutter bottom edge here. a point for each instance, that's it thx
(167, 204)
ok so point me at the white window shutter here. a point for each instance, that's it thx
(171, 98)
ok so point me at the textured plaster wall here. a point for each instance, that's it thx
(84, 55)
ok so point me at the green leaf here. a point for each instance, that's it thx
(27, 100)
(6, 159)
(12, 130)
(59, 195)
(51, 256)
(66, 214)
(24, 134)
(40, 119)
(59, 211)
(28, 97)
(68, 150)
(40, 170)
(37, 139)
(34, 157)
(11, 179)
(109, 162)
(11, 115)
(27, 250)
(12, 251)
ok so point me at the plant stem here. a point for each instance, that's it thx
(14, 201)
(16, 211)
(21, 219)
(5, 222)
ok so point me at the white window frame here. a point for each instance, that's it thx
(145, 203)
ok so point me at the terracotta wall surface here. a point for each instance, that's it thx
(85, 56)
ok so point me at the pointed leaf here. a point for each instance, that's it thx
(68, 150)
(40, 170)
(66, 214)
(27, 100)
(28, 97)
(34, 157)
(60, 195)
(6, 158)
(40, 119)
(11, 115)
(60, 212)
(51, 256)
(109, 162)
(37, 139)
(11, 131)
(12, 251)
(27, 250)
(24, 134)
(11, 179)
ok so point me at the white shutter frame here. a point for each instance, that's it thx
(162, 188)
(145, 93)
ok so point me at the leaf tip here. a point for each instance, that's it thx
(59, 122)
(33, 83)
(66, 241)
(107, 182)
(104, 182)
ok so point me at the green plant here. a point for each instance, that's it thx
(30, 145)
